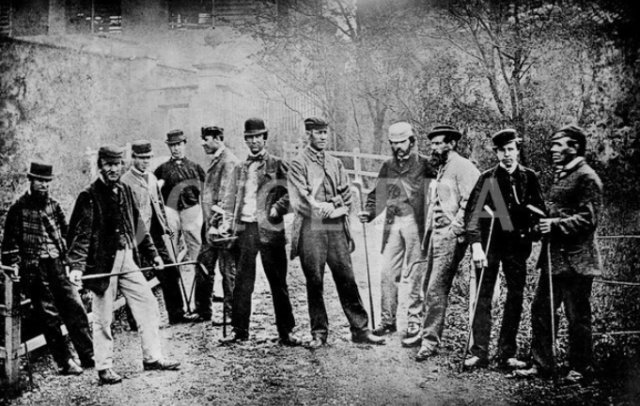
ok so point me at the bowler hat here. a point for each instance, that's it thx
(41, 171)
(110, 153)
(399, 132)
(503, 137)
(315, 123)
(211, 130)
(254, 126)
(445, 130)
(175, 137)
(141, 148)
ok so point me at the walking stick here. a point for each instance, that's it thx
(149, 268)
(552, 310)
(358, 186)
(478, 287)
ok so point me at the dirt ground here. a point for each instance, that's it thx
(261, 372)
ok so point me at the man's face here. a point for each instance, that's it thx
(211, 144)
(318, 139)
(255, 143)
(142, 162)
(561, 152)
(40, 187)
(440, 149)
(401, 148)
(508, 154)
(177, 150)
(111, 170)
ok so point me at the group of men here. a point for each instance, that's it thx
(227, 214)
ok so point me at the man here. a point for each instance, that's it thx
(574, 205)
(320, 197)
(448, 197)
(102, 239)
(507, 190)
(147, 197)
(400, 189)
(218, 174)
(34, 239)
(255, 202)
(181, 184)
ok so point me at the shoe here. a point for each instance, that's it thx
(196, 317)
(573, 377)
(234, 337)
(71, 368)
(512, 363)
(476, 362)
(384, 329)
(317, 342)
(177, 319)
(87, 363)
(161, 365)
(108, 377)
(410, 342)
(368, 338)
(413, 329)
(221, 322)
(425, 353)
(527, 373)
(290, 340)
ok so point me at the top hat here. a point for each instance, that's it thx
(111, 153)
(141, 148)
(175, 137)
(445, 130)
(211, 130)
(254, 126)
(399, 132)
(315, 123)
(41, 171)
(503, 137)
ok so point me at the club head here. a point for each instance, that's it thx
(358, 185)
(217, 209)
(536, 210)
(488, 210)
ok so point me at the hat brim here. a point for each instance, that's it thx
(399, 138)
(503, 143)
(172, 142)
(142, 154)
(455, 134)
(256, 132)
(39, 177)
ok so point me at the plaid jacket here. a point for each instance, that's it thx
(25, 228)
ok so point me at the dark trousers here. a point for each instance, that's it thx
(274, 262)
(226, 259)
(325, 243)
(574, 291)
(56, 300)
(513, 254)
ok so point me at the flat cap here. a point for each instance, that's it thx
(399, 132)
(503, 137)
(211, 130)
(315, 123)
(141, 147)
(445, 130)
(573, 132)
(111, 153)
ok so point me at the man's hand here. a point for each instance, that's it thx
(364, 216)
(224, 230)
(273, 212)
(478, 256)
(545, 225)
(75, 277)
(325, 209)
(157, 263)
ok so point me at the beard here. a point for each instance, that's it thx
(40, 196)
(400, 154)
(439, 158)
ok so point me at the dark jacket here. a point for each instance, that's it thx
(219, 172)
(395, 186)
(91, 249)
(576, 201)
(272, 192)
(513, 219)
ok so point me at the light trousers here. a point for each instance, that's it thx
(143, 305)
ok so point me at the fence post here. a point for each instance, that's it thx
(12, 336)
(357, 165)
